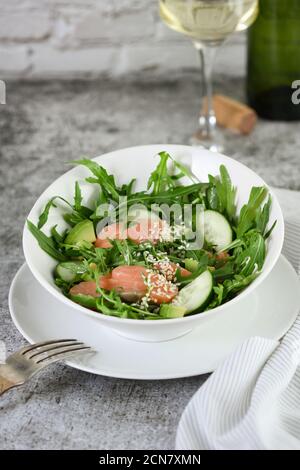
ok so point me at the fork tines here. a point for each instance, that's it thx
(48, 350)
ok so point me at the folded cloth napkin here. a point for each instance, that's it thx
(2, 352)
(252, 400)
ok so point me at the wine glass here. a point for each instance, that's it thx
(208, 23)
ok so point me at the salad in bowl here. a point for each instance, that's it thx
(173, 249)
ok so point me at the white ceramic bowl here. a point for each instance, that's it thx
(138, 162)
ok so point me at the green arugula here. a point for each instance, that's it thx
(250, 213)
(106, 181)
(46, 243)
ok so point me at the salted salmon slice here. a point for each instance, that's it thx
(148, 230)
(127, 279)
(139, 280)
(132, 282)
(161, 291)
(130, 279)
(168, 269)
(145, 230)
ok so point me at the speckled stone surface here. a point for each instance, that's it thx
(43, 126)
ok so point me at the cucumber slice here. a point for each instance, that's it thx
(191, 264)
(195, 295)
(217, 230)
(70, 271)
(172, 311)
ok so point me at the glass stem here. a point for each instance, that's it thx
(207, 120)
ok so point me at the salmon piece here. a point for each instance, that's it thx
(89, 287)
(168, 269)
(136, 281)
(148, 230)
(161, 290)
(85, 288)
(184, 272)
(145, 230)
(125, 272)
(110, 232)
(132, 275)
(222, 256)
(128, 281)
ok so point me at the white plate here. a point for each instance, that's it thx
(269, 311)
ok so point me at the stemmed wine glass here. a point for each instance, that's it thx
(208, 23)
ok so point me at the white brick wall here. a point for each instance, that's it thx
(79, 38)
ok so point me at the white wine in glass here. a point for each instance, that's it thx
(208, 23)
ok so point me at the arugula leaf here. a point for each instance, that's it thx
(201, 256)
(252, 258)
(45, 213)
(224, 272)
(238, 283)
(126, 189)
(184, 171)
(218, 297)
(250, 211)
(77, 197)
(78, 212)
(46, 243)
(221, 194)
(106, 181)
(57, 237)
(176, 194)
(160, 178)
(124, 251)
(268, 233)
(262, 219)
(229, 193)
(72, 218)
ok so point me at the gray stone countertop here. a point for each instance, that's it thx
(43, 126)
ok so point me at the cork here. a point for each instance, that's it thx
(232, 114)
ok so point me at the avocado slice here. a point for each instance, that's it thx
(172, 311)
(85, 300)
(191, 264)
(83, 231)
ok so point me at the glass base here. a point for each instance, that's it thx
(214, 143)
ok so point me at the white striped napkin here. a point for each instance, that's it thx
(2, 352)
(252, 401)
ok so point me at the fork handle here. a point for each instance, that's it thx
(5, 385)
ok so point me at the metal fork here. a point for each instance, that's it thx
(26, 362)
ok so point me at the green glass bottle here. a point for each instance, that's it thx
(274, 60)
